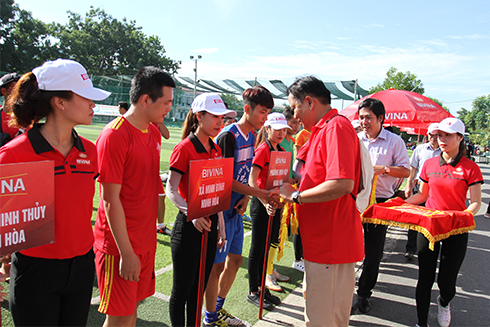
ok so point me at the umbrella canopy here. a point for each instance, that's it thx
(410, 111)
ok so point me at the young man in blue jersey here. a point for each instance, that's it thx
(236, 141)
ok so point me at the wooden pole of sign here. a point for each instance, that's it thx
(202, 272)
(264, 268)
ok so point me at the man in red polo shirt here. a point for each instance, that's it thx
(332, 240)
(128, 151)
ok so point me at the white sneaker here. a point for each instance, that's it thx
(486, 215)
(299, 265)
(443, 313)
(271, 283)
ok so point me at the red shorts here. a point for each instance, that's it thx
(118, 297)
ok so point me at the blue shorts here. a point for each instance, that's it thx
(234, 238)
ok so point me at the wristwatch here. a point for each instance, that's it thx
(387, 170)
(295, 197)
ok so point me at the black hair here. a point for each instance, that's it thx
(309, 86)
(258, 95)
(149, 80)
(123, 104)
(375, 105)
(288, 113)
(29, 104)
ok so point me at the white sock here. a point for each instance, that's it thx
(162, 225)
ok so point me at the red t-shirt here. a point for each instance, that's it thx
(332, 231)
(449, 183)
(303, 151)
(5, 125)
(74, 188)
(261, 159)
(189, 149)
(131, 158)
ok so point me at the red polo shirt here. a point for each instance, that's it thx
(131, 158)
(332, 231)
(449, 183)
(189, 149)
(74, 187)
(5, 125)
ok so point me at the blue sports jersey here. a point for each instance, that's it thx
(234, 144)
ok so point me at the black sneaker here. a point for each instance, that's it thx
(255, 300)
(364, 305)
(164, 231)
(409, 255)
(272, 298)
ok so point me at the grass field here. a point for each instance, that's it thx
(154, 310)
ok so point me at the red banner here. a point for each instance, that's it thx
(278, 169)
(26, 205)
(210, 183)
(435, 224)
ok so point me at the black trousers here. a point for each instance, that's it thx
(452, 252)
(411, 246)
(298, 246)
(186, 253)
(260, 220)
(51, 292)
(374, 242)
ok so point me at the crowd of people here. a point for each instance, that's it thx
(51, 285)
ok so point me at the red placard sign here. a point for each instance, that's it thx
(278, 169)
(26, 205)
(210, 183)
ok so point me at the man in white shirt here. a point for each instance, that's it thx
(390, 162)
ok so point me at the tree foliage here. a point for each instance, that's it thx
(100, 42)
(25, 42)
(439, 102)
(477, 120)
(233, 102)
(399, 81)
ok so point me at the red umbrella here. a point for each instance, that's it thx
(410, 111)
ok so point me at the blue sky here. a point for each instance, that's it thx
(445, 43)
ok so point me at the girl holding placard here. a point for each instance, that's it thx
(51, 285)
(203, 122)
(273, 132)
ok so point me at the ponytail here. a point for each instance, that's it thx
(29, 104)
(462, 147)
(190, 124)
(261, 136)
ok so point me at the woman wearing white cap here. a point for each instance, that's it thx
(274, 129)
(51, 285)
(448, 177)
(203, 122)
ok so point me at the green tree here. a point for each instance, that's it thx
(440, 103)
(233, 103)
(107, 46)
(399, 81)
(25, 42)
(477, 120)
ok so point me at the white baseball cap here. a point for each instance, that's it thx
(276, 120)
(212, 103)
(355, 123)
(432, 127)
(451, 125)
(67, 75)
